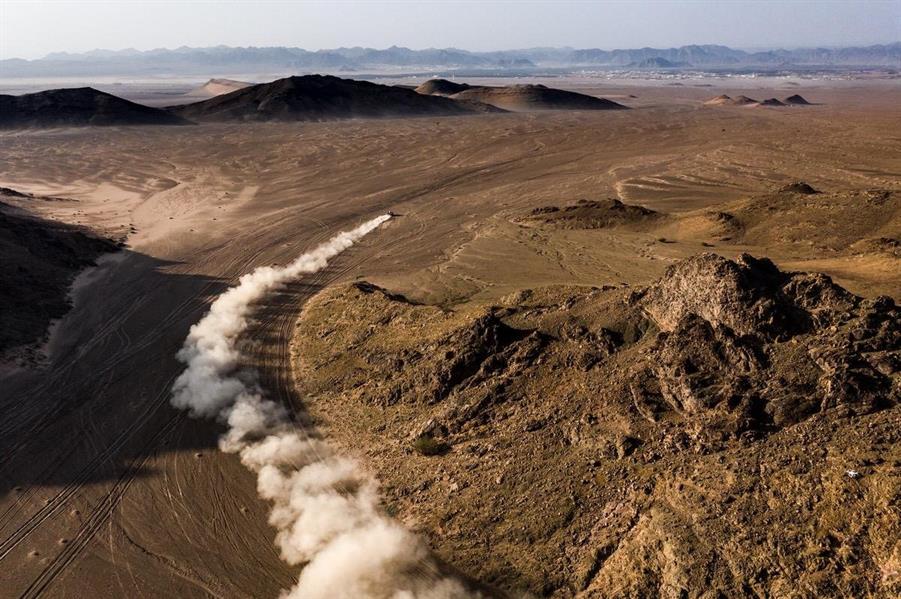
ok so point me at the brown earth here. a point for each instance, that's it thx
(108, 491)
(702, 436)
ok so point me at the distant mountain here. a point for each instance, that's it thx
(320, 97)
(696, 55)
(225, 60)
(658, 63)
(78, 107)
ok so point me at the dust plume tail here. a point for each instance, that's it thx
(325, 508)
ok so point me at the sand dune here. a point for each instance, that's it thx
(217, 87)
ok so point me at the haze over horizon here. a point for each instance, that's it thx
(32, 30)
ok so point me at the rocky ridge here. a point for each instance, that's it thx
(740, 420)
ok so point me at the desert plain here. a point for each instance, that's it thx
(109, 491)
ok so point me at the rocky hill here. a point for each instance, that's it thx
(78, 107)
(725, 100)
(320, 97)
(441, 87)
(535, 97)
(591, 214)
(728, 430)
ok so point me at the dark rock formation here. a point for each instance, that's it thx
(78, 107)
(319, 97)
(591, 214)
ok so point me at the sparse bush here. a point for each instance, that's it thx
(429, 446)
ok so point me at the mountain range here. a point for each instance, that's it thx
(221, 60)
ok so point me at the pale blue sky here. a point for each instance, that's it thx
(32, 28)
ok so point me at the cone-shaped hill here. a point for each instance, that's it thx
(796, 100)
(319, 97)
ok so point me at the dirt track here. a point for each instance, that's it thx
(108, 491)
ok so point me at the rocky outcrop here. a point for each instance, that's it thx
(320, 97)
(591, 214)
(750, 296)
(691, 438)
(757, 348)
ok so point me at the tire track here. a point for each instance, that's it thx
(97, 518)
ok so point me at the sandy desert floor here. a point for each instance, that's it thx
(108, 491)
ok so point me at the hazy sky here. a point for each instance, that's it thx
(32, 28)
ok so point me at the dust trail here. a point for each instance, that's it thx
(325, 507)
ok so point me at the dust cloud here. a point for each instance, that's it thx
(326, 509)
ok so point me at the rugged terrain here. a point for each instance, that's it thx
(728, 430)
(107, 490)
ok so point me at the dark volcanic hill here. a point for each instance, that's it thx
(319, 97)
(796, 100)
(535, 97)
(78, 107)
